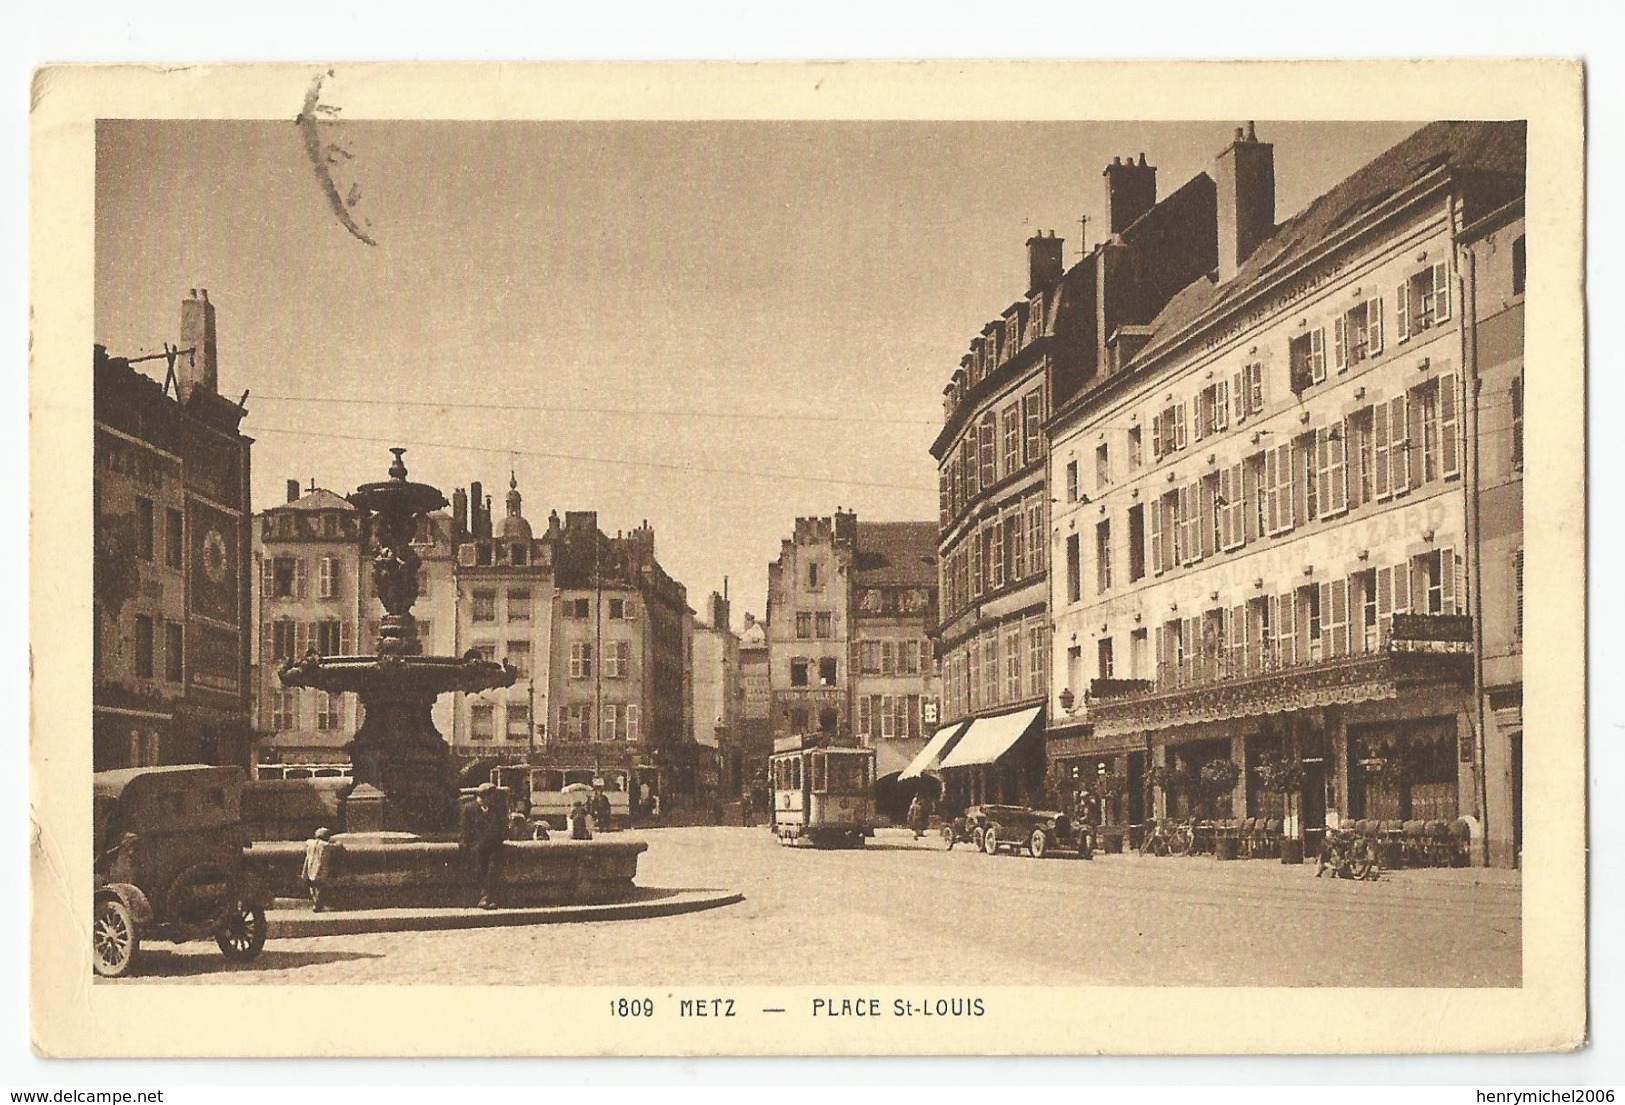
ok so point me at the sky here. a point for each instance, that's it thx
(715, 327)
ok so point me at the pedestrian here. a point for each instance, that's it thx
(484, 827)
(580, 826)
(916, 817)
(318, 868)
(602, 812)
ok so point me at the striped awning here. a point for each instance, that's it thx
(939, 745)
(991, 737)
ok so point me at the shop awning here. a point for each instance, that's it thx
(991, 737)
(893, 754)
(939, 745)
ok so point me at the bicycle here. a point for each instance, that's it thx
(1348, 856)
(1168, 838)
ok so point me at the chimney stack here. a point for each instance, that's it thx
(1245, 176)
(200, 367)
(1131, 191)
(1044, 263)
(459, 511)
(293, 490)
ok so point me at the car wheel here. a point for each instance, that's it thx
(115, 939)
(948, 836)
(1039, 844)
(990, 840)
(242, 937)
(977, 836)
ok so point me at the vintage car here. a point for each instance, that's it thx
(169, 864)
(1041, 832)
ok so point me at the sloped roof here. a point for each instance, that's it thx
(1465, 147)
(897, 553)
(319, 499)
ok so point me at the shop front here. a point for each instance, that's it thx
(998, 760)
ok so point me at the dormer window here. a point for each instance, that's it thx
(519, 555)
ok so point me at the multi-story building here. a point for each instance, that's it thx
(995, 486)
(1492, 264)
(1269, 565)
(171, 596)
(718, 696)
(808, 606)
(309, 598)
(755, 704)
(851, 609)
(622, 659)
(895, 683)
(505, 611)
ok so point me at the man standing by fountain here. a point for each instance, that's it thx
(484, 828)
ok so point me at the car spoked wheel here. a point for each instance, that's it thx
(1039, 844)
(115, 942)
(948, 836)
(990, 840)
(242, 936)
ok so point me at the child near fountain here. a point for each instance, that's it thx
(319, 855)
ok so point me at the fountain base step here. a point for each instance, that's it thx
(417, 874)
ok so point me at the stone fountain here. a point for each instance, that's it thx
(404, 778)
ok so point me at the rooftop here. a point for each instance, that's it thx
(896, 553)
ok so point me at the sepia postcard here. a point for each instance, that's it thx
(961, 558)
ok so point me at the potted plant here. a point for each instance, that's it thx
(1108, 786)
(1219, 778)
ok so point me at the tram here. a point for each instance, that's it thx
(823, 794)
(548, 794)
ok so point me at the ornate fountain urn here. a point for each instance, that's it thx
(404, 777)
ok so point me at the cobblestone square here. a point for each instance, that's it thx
(903, 911)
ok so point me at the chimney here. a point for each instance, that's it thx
(293, 490)
(459, 511)
(198, 368)
(1043, 261)
(476, 497)
(1131, 191)
(719, 612)
(1245, 178)
(485, 518)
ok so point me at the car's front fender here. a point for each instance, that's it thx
(134, 900)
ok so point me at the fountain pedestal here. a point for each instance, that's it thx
(401, 763)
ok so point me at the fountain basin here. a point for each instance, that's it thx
(383, 874)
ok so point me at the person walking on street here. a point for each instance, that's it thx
(916, 817)
(580, 826)
(319, 855)
(484, 827)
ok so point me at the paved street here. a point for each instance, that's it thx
(906, 912)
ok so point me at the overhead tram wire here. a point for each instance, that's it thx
(464, 447)
(651, 412)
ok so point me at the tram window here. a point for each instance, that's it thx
(795, 774)
(848, 774)
(818, 779)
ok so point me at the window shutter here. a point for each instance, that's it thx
(1272, 490)
(1385, 604)
(1154, 509)
(1200, 429)
(1269, 636)
(1340, 343)
(1441, 292)
(267, 579)
(1249, 496)
(1288, 634)
(1162, 655)
(1402, 313)
(1381, 449)
(1221, 405)
(1226, 516)
(1447, 581)
(1339, 471)
(346, 633)
(1373, 326)
(1179, 426)
(1326, 626)
(1399, 443)
(1257, 387)
(1323, 472)
(1402, 587)
(1317, 355)
(301, 582)
(1283, 468)
(1204, 495)
(1238, 396)
(1156, 436)
(1449, 450)
(1340, 615)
